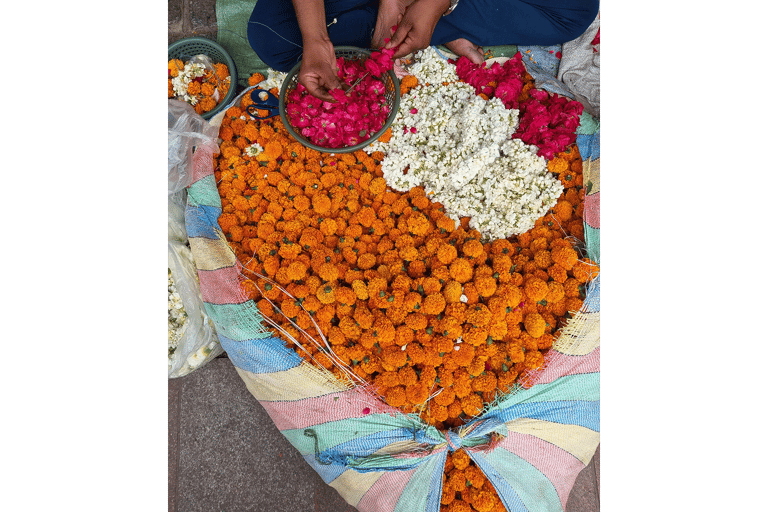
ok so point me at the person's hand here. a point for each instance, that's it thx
(318, 71)
(414, 31)
(390, 14)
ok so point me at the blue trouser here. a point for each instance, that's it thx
(273, 31)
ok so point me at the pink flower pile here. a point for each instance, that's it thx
(548, 121)
(353, 117)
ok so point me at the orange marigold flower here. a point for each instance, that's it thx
(472, 248)
(557, 165)
(446, 253)
(321, 203)
(543, 259)
(485, 286)
(193, 89)
(418, 224)
(472, 405)
(407, 376)
(445, 397)
(207, 89)
(393, 358)
(565, 256)
(255, 78)
(452, 291)
(395, 396)
(416, 321)
(297, 270)
(221, 70)
(328, 272)
(535, 289)
(555, 292)
(326, 294)
(409, 253)
(461, 270)
(585, 270)
(460, 459)
(573, 304)
(433, 304)
(558, 273)
(456, 480)
(479, 315)
(534, 324)
(568, 178)
(484, 501)
(174, 67)
(533, 360)
(563, 210)
(416, 393)
(475, 335)
(454, 410)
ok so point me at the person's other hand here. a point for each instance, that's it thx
(390, 14)
(318, 71)
(414, 31)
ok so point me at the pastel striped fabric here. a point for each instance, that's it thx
(531, 444)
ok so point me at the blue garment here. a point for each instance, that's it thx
(273, 31)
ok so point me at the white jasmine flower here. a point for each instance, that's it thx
(458, 147)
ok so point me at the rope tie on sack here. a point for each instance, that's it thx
(454, 440)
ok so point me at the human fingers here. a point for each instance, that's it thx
(314, 87)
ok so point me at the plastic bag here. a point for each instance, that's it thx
(192, 339)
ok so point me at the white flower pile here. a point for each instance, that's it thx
(430, 68)
(177, 316)
(180, 83)
(458, 147)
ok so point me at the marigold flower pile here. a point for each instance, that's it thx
(410, 301)
(201, 86)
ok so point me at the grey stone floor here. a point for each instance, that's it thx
(188, 18)
(224, 452)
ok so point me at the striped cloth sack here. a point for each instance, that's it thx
(531, 444)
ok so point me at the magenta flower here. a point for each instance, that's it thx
(350, 118)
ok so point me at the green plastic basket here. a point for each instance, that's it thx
(392, 95)
(185, 49)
